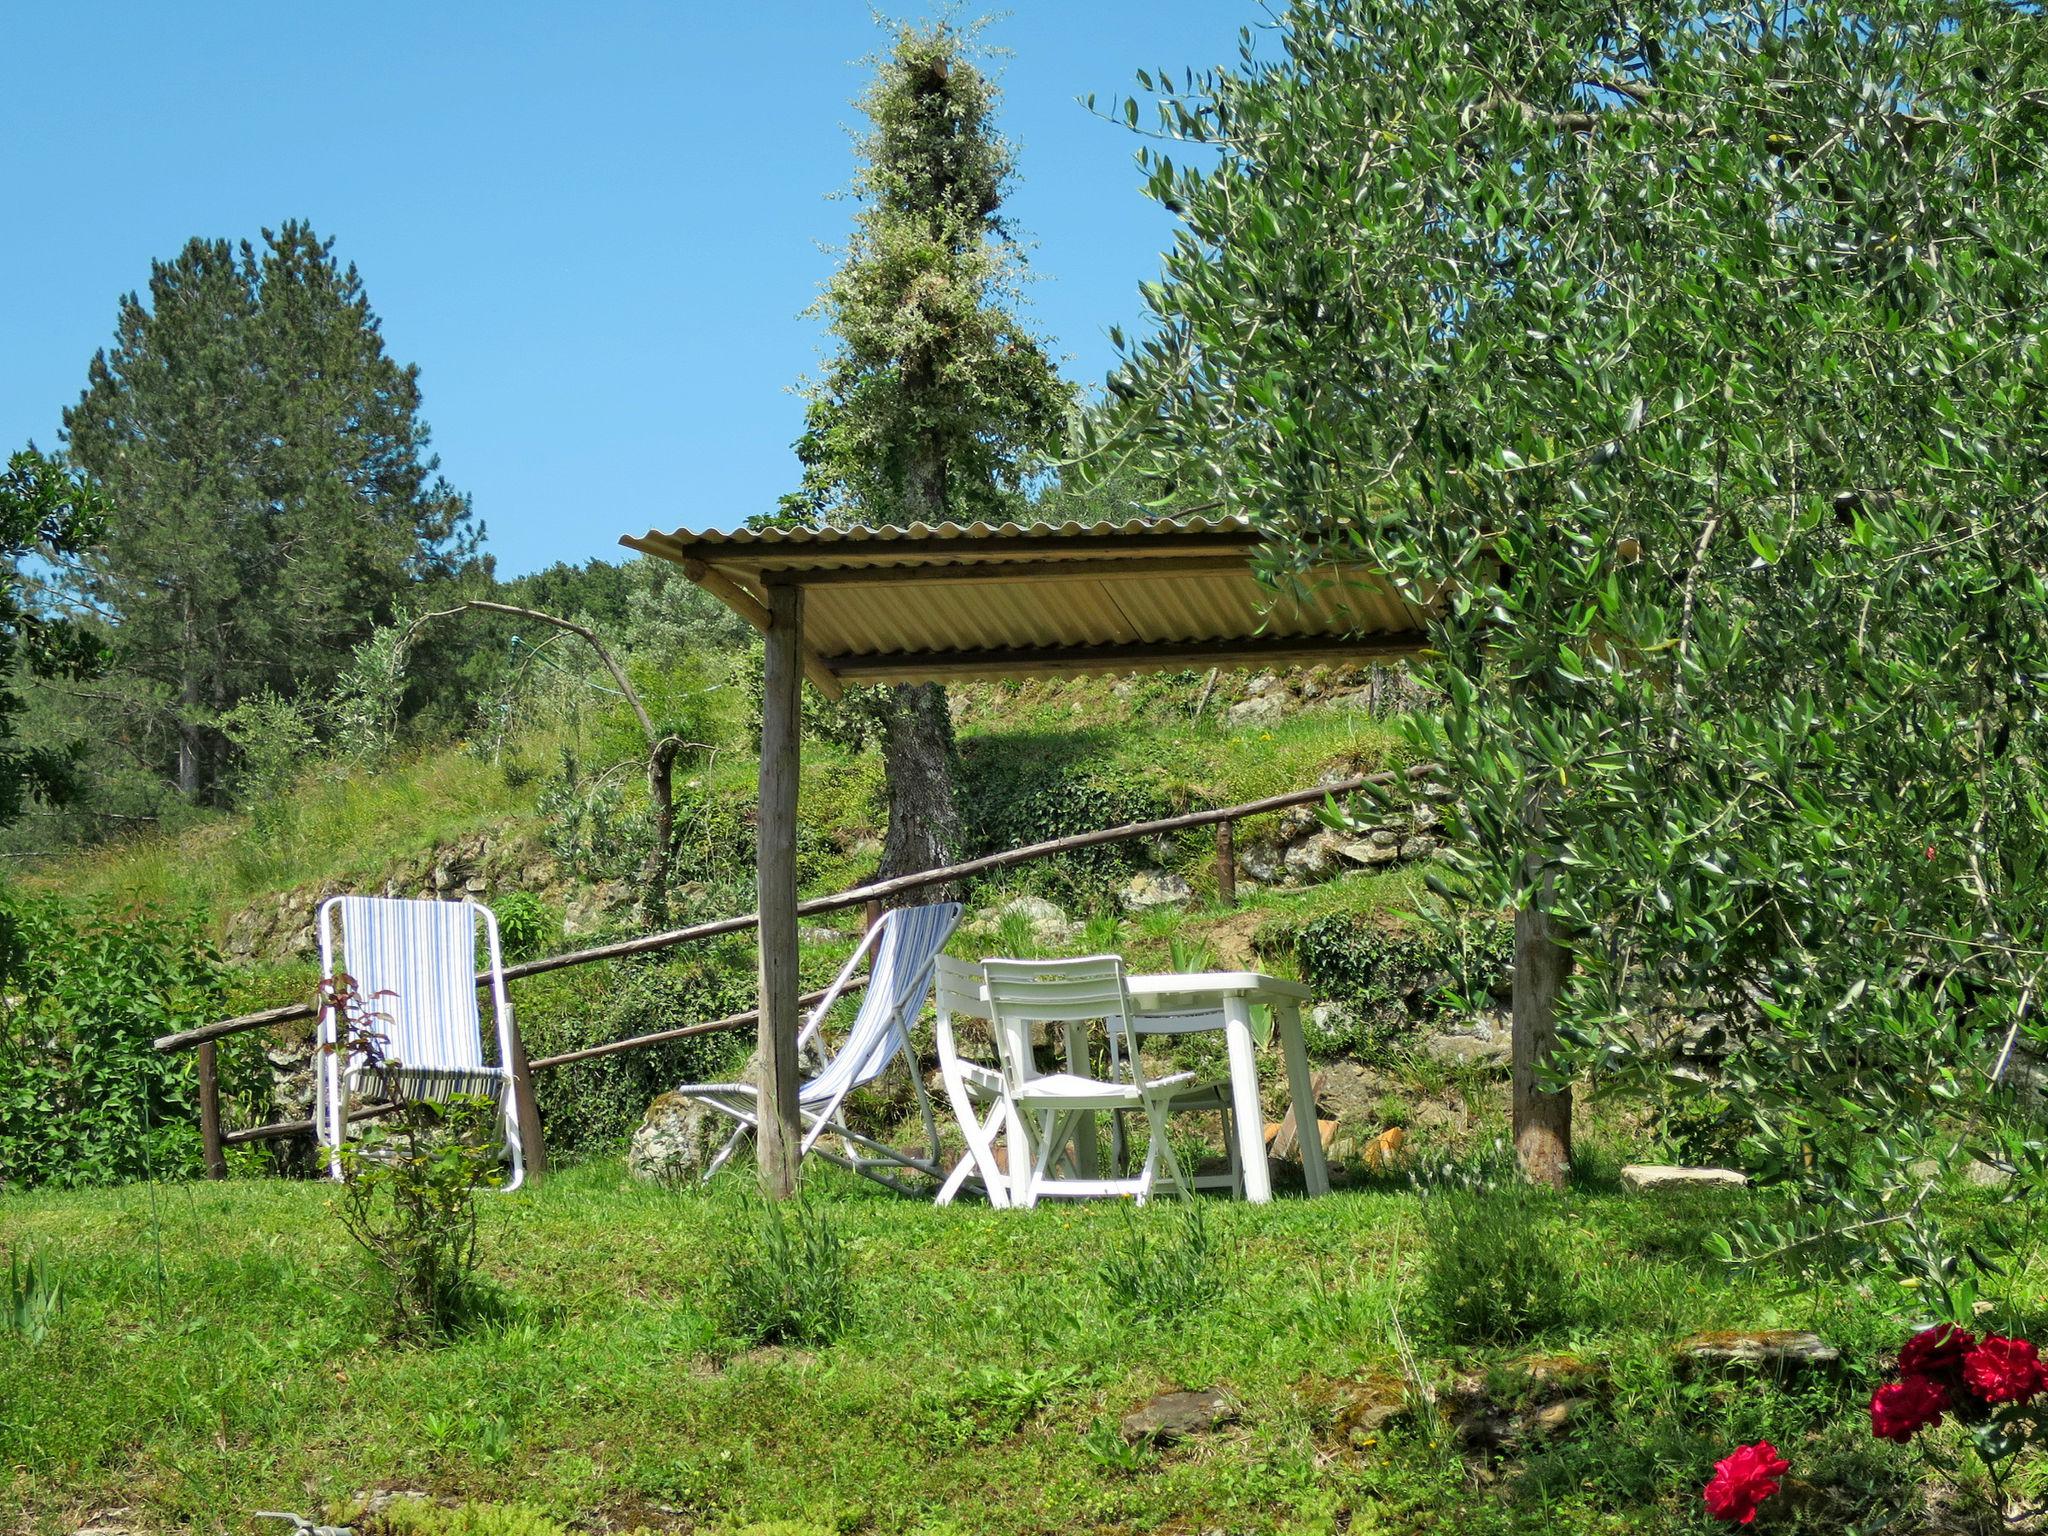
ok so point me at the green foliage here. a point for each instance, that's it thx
(275, 483)
(1491, 1275)
(276, 740)
(35, 1297)
(84, 1096)
(1107, 1448)
(595, 1106)
(526, 928)
(939, 405)
(1158, 1279)
(1686, 360)
(423, 1517)
(786, 1277)
(585, 823)
(1374, 968)
(48, 513)
(1031, 789)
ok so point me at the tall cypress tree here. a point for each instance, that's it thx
(275, 484)
(939, 404)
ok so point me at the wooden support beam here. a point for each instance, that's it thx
(751, 608)
(1226, 864)
(778, 1140)
(1149, 655)
(212, 1148)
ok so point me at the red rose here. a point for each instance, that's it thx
(2002, 1370)
(1743, 1480)
(1904, 1408)
(1937, 1352)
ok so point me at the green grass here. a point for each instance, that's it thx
(215, 1354)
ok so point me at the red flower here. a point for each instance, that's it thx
(2002, 1370)
(1742, 1480)
(1904, 1408)
(1938, 1352)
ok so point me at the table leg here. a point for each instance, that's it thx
(1308, 1134)
(1087, 1162)
(1250, 1118)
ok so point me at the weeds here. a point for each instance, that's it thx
(1490, 1275)
(1109, 1450)
(1154, 1280)
(785, 1278)
(35, 1297)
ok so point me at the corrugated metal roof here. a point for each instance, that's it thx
(980, 600)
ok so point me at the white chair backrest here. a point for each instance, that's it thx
(422, 953)
(905, 942)
(1026, 992)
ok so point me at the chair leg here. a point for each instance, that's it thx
(731, 1146)
(1236, 1157)
(1041, 1159)
(1160, 1151)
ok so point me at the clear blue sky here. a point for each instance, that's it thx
(593, 225)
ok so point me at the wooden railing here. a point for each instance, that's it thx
(1224, 819)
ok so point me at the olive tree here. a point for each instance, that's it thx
(1686, 361)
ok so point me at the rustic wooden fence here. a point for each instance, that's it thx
(872, 896)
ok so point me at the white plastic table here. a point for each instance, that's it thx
(1234, 993)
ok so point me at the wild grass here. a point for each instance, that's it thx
(216, 1354)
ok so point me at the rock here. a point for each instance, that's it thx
(1984, 1176)
(1779, 1351)
(1315, 856)
(1260, 709)
(1370, 1407)
(1468, 1050)
(1148, 889)
(1371, 853)
(1642, 1176)
(1174, 1416)
(677, 1140)
(1417, 848)
(1049, 926)
(812, 934)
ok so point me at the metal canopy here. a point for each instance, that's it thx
(923, 604)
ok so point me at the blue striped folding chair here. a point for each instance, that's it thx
(900, 949)
(421, 957)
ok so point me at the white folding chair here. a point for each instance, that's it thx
(901, 948)
(415, 964)
(1210, 1097)
(973, 1089)
(1022, 993)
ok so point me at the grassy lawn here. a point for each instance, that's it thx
(217, 1353)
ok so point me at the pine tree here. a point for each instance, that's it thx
(939, 404)
(274, 479)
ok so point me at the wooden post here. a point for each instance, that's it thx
(1542, 1121)
(526, 1109)
(1226, 864)
(778, 1140)
(871, 916)
(209, 1111)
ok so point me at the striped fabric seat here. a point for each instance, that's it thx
(415, 964)
(903, 946)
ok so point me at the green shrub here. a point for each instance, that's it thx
(1016, 790)
(84, 1096)
(594, 1106)
(785, 1278)
(1158, 1280)
(526, 928)
(1490, 1275)
(35, 1295)
(1375, 970)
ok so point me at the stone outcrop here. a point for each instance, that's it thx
(677, 1140)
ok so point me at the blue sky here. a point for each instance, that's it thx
(594, 226)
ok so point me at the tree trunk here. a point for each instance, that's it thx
(189, 744)
(661, 849)
(917, 759)
(1542, 1121)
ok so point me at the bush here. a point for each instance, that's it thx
(85, 1098)
(1490, 1275)
(1151, 1280)
(1019, 790)
(785, 1277)
(1390, 979)
(526, 928)
(594, 1106)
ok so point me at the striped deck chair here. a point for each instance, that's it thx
(900, 949)
(423, 954)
